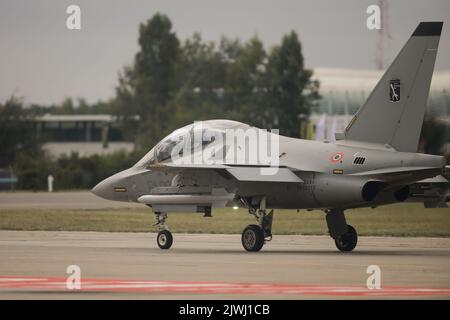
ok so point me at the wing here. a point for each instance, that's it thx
(199, 199)
(401, 175)
(433, 192)
(247, 173)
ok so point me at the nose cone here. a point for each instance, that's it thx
(104, 189)
(112, 188)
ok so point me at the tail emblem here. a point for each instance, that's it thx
(394, 90)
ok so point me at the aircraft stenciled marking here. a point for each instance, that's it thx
(116, 285)
(394, 94)
(337, 157)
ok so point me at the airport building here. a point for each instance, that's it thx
(85, 134)
(343, 91)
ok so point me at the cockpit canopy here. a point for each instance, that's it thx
(188, 137)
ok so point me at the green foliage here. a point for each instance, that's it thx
(433, 135)
(32, 168)
(172, 84)
(16, 133)
(288, 82)
(145, 88)
(70, 172)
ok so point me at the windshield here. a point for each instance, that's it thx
(187, 138)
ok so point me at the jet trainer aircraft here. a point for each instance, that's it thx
(372, 163)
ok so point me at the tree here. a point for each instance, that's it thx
(170, 85)
(291, 89)
(145, 88)
(16, 131)
(201, 71)
(245, 83)
(220, 82)
(154, 68)
(432, 135)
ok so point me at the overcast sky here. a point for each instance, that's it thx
(44, 62)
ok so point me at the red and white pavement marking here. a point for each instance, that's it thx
(110, 285)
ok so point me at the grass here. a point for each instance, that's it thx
(393, 220)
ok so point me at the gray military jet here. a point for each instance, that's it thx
(219, 163)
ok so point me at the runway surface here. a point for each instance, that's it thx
(59, 200)
(206, 266)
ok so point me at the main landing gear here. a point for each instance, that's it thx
(255, 235)
(344, 235)
(164, 239)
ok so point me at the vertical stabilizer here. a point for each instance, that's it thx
(393, 113)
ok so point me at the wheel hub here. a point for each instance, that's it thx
(162, 239)
(249, 238)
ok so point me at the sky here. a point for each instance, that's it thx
(44, 62)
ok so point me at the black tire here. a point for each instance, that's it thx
(347, 242)
(252, 238)
(164, 239)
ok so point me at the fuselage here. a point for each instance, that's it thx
(332, 174)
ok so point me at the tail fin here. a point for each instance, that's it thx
(393, 113)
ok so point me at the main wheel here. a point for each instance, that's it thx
(252, 238)
(347, 241)
(164, 239)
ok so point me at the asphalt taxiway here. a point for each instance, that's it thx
(129, 265)
(59, 200)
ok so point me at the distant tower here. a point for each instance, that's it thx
(383, 34)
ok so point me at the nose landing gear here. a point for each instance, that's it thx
(255, 236)
(164, 239)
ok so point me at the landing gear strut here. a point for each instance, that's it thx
(254, 236)
(344, 235)
(164, 239)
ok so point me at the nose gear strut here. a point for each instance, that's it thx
(254, 236)
(164, 238)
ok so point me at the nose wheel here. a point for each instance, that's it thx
(164, 239)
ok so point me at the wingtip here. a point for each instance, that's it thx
(432, 28)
